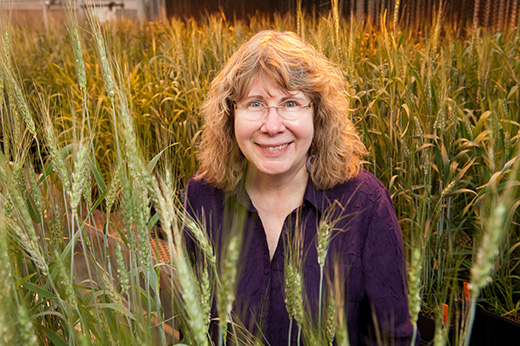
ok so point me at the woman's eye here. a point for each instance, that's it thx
(255, 104)
(291, 104)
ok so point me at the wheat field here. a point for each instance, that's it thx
(98, 133)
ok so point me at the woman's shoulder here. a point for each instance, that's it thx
(198, 185)
(365, 184)
(199, 192)
(368, 179)
(362, 195)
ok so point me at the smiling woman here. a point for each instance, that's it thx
(279, 149)
(294, 66)
(276, 147)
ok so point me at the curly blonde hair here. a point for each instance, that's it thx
(336, 149)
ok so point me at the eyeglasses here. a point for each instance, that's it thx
(256, 110)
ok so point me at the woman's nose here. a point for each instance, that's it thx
(273, 122)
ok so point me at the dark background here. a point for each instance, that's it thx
(497, 13)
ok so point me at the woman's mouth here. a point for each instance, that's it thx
(278, 147)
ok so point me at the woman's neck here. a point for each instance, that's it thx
(277, 194)
(275, 198)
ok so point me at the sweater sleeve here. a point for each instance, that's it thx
(198, 203)
(384, 273)
(189, 206)
(203, 204)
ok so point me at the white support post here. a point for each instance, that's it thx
(44, 10)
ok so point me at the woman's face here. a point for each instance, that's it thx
(275, 146)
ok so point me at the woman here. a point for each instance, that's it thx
(278, 147)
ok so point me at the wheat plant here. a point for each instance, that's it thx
(98, 131)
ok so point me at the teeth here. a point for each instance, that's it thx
(277, 148)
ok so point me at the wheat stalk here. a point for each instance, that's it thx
(294, 279)
(196, 317)
(122, 271)
(201, 237)
(6, 334)
(396, 15)
(226, 287)
(27, 333)
(337, 295)
(324, 234)
(294, 296)
(414, 286)
(300, 22)
(330, 326)
(496, 226)
(19, 221)
(79, 177)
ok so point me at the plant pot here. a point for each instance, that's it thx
(489, 329)
(426, 326)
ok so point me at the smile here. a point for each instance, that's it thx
(279, 147)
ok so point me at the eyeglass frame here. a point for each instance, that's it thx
(265, 110)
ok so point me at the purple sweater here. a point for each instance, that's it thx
(366, 248)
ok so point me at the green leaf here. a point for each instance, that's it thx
(98, 201)
(97, 175)
(54, 337)
(152, 221)
(33, 211)
(23, 280)
(38, 290)
(46, 173)
(115, 307)
(153, 161)
(482, 121)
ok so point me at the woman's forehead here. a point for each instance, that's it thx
(263, 84)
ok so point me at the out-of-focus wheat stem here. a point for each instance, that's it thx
(330, 326)
(195, 316)
(79, 177)
(6, 334)
(414, 295)
(300, 22)
(496, 226)
(226, 292)
(294, 283)
(323, 241)
(396, 15)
